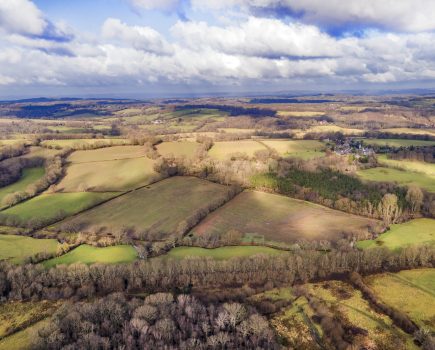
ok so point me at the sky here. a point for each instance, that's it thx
(162, 48)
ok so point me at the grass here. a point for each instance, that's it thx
(409, 165)
(401, 177)
(107, 153)
(158, 208)
(36, 151)
(15, 316)
(329, 128)
(178, 148)
(305, 149)
(90, 255)
(410, 131)
(300, 113)
(225, 149)
(16, 248)
(418, 231)
(280, 219)
(46, 207)
(410, 291)
(396, 143)
(77, 143)
(22, 340)
(114, 175)
(222, 253)
(28, 177)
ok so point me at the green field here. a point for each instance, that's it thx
(78, 143)
(114, 175)
(225, 149)
(178, 148)
(90, 255)
(396, 143)
(106, 154)
(409, 165)
(305, 149)
(417, 231)
(158, 208)
(28, 177)
(412, 292)
(16, 248)
(280, 219)
(22, 340)
(221, 253)
(401, 177)
(411, 131)
(47, 206)
(36, 151)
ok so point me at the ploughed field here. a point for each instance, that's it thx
(281, 219)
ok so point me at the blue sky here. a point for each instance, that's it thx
(175, 47)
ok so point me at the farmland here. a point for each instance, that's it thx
(160, 207)
(16, 249)
(409, 291)
(222, 253)
(49, 207)
(90, 255)
(414, 166)
(414, 232)
(177, 148)
(402, 177)
(106, 154)
(226, 149)
(28, 177)
(305, 149)
(280, 219)
(397, 142)
(79, 143)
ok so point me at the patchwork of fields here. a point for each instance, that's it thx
(282, 219)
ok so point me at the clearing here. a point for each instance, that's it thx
(222, 253)
(224, 150)
(281, 219)
(177, 148)
(305, 149)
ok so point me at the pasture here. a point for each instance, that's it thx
(112, 175)
(49, 207)
(16, 249)
(106, 154)
(396, 143)
(22, 340)
(410, 291)
(414, 232)
(411, 131)
(409, 165)
(305, 149)
(177, 148)
(79, 143)
(28, 177)
(158, 208)
(36, 151)
(280, 219)
(401, 177)
(224, 150)
(87, 254)
(222, 253)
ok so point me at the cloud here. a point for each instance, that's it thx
(269, 38)
(156, 4)
(399, 15)
(21, 17)
(141, 38)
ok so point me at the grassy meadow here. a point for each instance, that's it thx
(414, 232)
(28, 177)
(396, 143)
(305, 149)
(411, 291)
(409, 165)
(177, 148)
(107, 154)
(401, 177)
(225, 149)
(90, 255)
(279, 218)
(47, 207)
(159, 207)
(16, 249)
(222, 253)
(411, 131)
(78, 143)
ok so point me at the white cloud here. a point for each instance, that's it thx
(402, 15)
(141, 38)
(258, 37)
(155, 4)
(21, 17)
